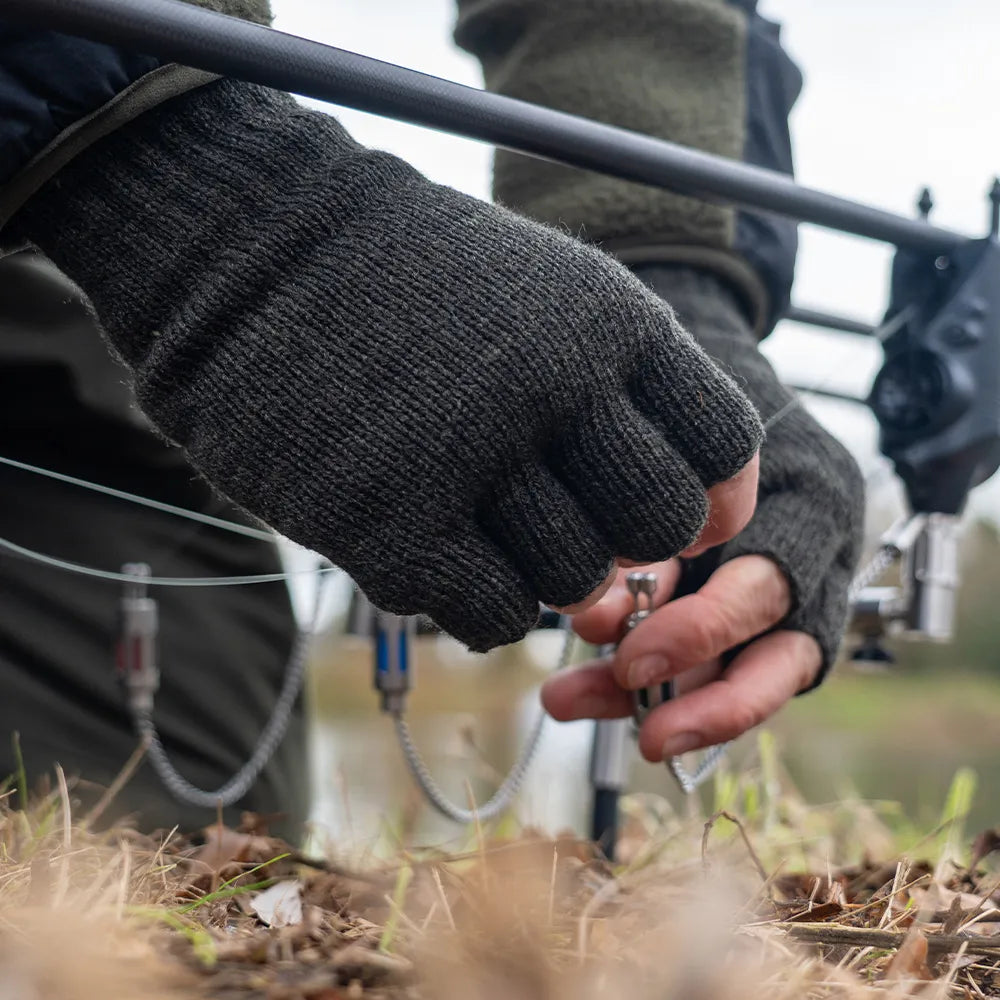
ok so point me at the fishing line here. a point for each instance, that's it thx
(166, 508)
(274, 731)
(161, 581)
(881, 334)
(264, 535)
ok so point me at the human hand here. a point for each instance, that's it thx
(781, 583)
(469, 412)
(730, 507)
(686, 640)
(811, 500)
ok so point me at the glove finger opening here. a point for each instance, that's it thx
(478, 596)
(700, 411)
(631, 483)
(537, 523)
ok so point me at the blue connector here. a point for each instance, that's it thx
(393, 635)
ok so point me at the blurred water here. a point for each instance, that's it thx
(890, 738)
(361, 783)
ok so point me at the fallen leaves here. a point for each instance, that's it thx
(280, 905)
(240, 915)
(910, 960)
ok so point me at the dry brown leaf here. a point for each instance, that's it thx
(224, 846)
(910, 961)
(986, 843)
(936, 897)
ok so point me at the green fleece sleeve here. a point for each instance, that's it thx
(674, 69)
(258, 11)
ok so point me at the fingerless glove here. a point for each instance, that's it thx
(468, 411)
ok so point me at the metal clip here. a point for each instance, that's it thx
(393, 636)
(642, 587)
(924, 605)
(138, 629)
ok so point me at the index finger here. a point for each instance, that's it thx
(766, 675)
(741, 599)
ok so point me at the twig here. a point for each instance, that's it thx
(865, 937)
(122, 779)
(945, 982)
(444, 898)
(332, 868)
(899, 876)
(606, 892)
(552, 884)
(431, 914)
(712, 820)
(973, 985)
(396, 902)
(67, 819)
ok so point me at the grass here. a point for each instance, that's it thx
(765, 896)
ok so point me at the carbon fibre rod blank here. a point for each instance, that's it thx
(181, 32)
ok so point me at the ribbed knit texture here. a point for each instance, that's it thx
(810, 512)
(469, 412)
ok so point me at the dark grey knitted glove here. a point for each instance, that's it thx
(810, 507)
(469, 412)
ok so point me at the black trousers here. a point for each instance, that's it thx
(222, 650)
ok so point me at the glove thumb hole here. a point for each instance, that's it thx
(801, 537)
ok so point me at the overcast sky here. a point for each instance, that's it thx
(896, 96)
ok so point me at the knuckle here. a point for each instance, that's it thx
(745, 715)
(771, 602)
(703, 635)
(720, 626)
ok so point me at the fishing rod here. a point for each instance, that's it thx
(181, 32)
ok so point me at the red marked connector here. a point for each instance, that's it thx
(136, 650)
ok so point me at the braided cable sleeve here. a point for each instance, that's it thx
(270, 738)
(883, 558)
(509, 787)
(513, 782)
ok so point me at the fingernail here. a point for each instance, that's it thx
(646, 670)
(680, 743)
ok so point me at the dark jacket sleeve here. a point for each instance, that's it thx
(50, 81)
